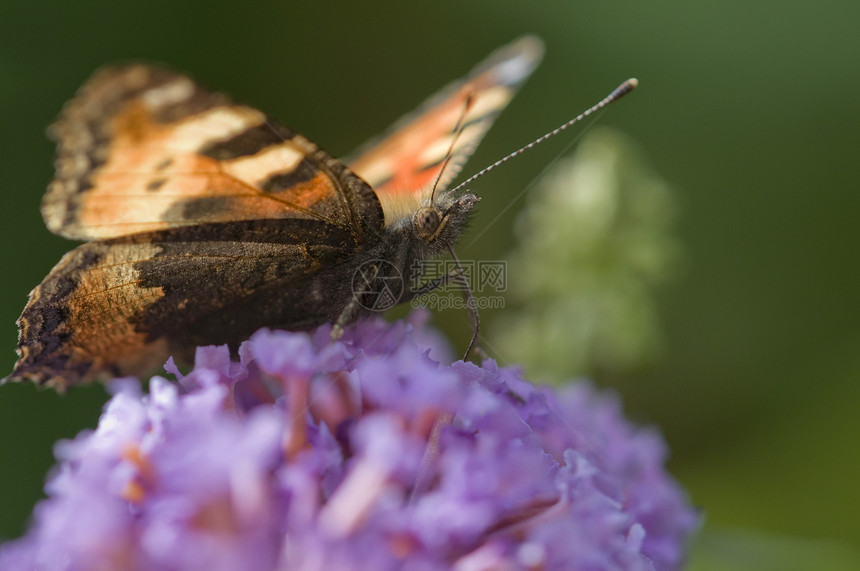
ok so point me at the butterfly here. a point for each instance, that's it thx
(204, 220)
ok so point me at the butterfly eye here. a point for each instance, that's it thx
(427, 222)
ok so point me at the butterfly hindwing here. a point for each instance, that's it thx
(141, 148)
(122, 306)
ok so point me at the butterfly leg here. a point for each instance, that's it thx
(349, 314)
(376, 288)
(472, 310)
(457, 276)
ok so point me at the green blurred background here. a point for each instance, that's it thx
(750, 111)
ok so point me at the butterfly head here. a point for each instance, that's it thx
(439, 224)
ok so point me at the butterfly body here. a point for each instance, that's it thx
(205, 220)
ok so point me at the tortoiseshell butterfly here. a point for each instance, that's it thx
(205, 220)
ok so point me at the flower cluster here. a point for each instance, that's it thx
(359, 454)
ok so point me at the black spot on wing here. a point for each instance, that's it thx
(155, 184)
(304, 172)
(196, 208)
(249, 142)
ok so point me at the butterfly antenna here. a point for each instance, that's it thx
(616, 94)
(458, 130)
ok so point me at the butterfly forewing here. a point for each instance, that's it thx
(403, 164)
(142, 148)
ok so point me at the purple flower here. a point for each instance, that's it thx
(359, 454)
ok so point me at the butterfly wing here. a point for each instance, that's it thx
(122, 306)
(403, 164)
(142, 148)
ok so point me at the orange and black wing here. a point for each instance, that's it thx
(122, 306)
(403, 164)
(142, 148)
